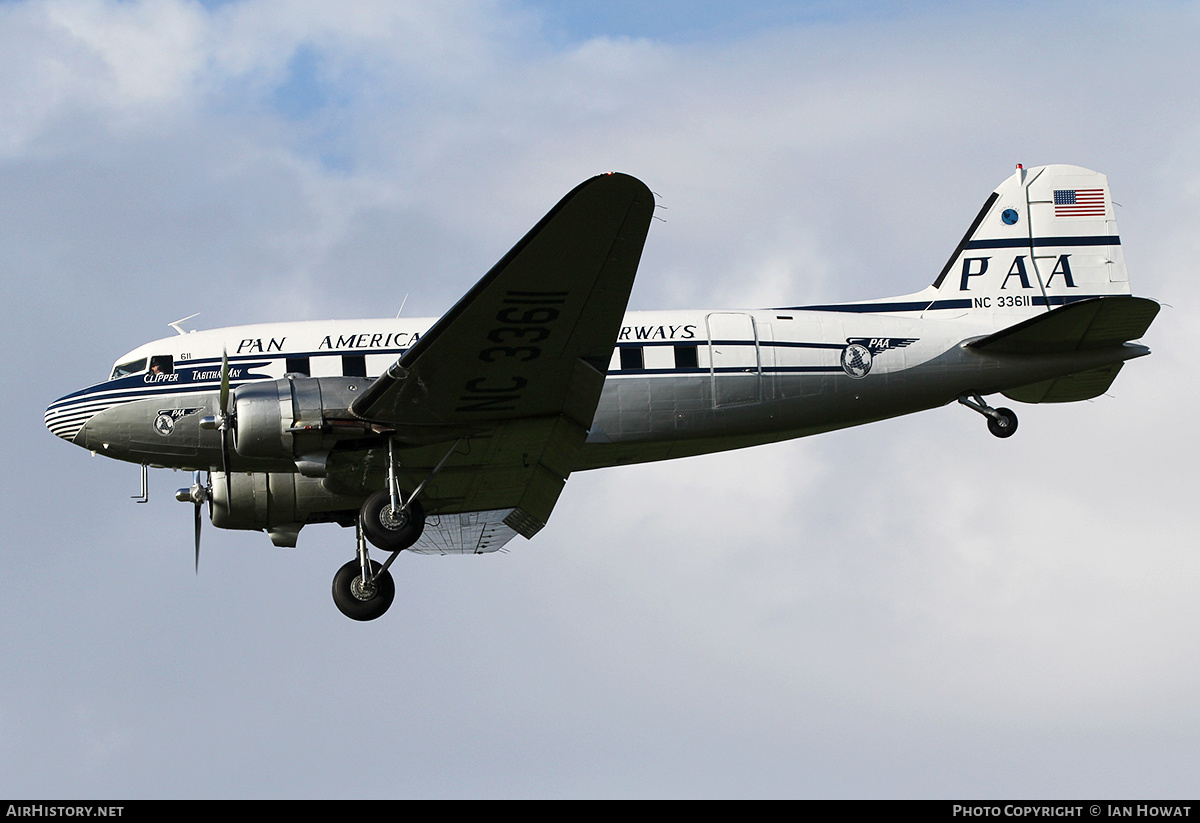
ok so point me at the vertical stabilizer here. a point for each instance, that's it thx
(1046, 237)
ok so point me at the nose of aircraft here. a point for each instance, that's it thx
(66, 418)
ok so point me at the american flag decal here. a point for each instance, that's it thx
(1079, 202)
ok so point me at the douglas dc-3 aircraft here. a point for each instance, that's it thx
(454, 435)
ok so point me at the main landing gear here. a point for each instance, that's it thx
(1000, 422)
(364, 589)
(393, 520)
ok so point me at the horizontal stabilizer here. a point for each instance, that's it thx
(1095, 323)
(1080, 386)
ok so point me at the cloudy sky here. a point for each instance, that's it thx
(912, 608)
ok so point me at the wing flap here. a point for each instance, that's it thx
(465, 533)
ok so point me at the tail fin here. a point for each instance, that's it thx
(1046, 237)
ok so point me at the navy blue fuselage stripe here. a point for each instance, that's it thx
(149, 393)
(704, 372)
(1024, 242)
(766, 344)
(921, 305)
(782, 344)
(867, 308)
(201, 362)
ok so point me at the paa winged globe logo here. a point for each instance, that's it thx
(859, 354)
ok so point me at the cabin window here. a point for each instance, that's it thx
(162, 364)
(631, 358)
(126, 369)
(354, 365)
(686, 356)
(298, 365)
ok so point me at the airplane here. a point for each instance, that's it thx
(455, 434)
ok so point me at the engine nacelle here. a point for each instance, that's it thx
(296, 418)
(264, 413)
(277, 502)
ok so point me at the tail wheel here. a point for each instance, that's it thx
(391, 529)
(1003, 424)
(361, 599)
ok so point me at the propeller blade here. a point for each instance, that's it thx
(224, 383)
(198, 495)
(225, 467)
(198, 505)
(227, 423)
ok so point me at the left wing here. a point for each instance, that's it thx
(517, 365)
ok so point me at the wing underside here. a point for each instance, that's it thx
(476, 532)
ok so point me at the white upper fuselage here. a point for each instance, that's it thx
(778, 347)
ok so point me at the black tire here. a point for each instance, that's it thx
(1004, 424)
(388, 533)
(352, 605)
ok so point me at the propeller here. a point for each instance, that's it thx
(225, 422)
(198, 495)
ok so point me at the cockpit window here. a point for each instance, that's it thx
(126, 369)
(162, 364)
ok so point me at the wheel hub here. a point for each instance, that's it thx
(363, 590)
(393, 519)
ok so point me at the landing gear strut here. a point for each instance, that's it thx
(363, 589)
(1000, 422)
(392, 520)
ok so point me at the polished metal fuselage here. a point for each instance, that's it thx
(679, 383)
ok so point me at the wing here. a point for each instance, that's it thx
(516, 367)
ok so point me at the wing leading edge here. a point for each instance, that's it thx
(518, 364)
